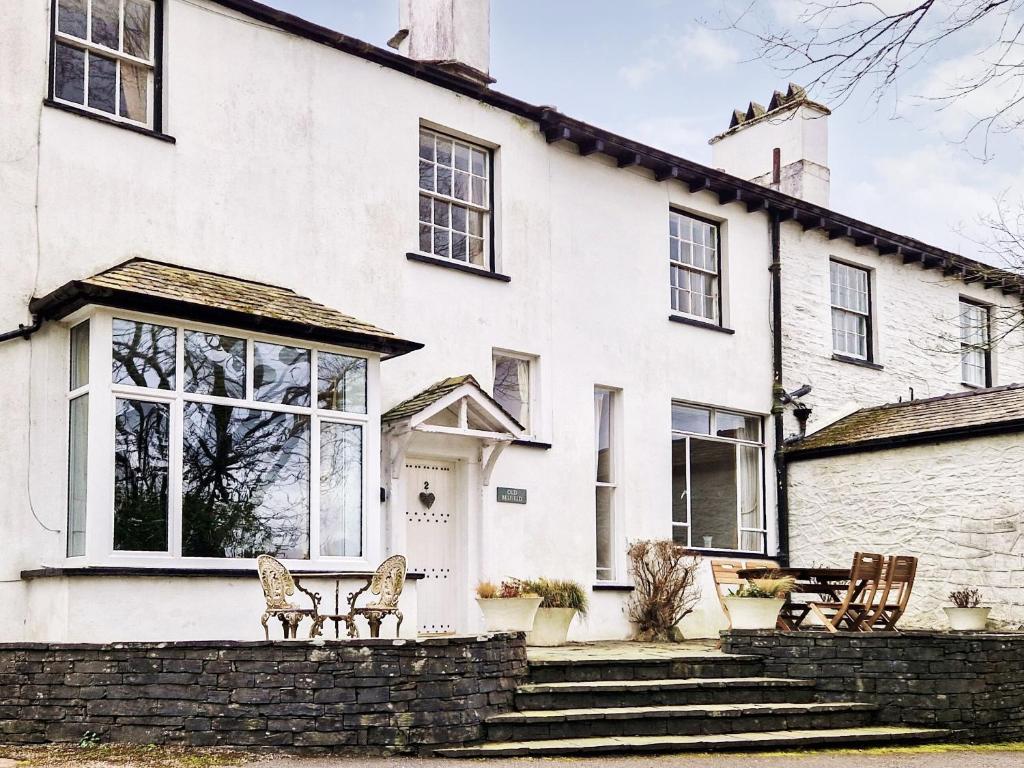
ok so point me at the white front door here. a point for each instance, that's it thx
(432, 535)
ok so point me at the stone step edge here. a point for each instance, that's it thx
(668, 684)
(716, 743)
(679, 710)
(583, 661)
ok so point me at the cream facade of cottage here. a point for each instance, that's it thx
(298, 250)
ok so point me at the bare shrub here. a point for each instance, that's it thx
(665, 576)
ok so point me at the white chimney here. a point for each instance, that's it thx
(784, 147)
(454, 34)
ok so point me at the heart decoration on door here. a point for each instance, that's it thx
(427, 497)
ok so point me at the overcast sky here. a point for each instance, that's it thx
(667, 73)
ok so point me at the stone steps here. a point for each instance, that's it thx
(675, 720)
(627, 693)
(745, 740)
(590, 670)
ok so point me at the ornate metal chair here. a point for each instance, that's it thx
(387, 583)
(278, 586)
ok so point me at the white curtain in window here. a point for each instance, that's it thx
(750, 498)
(523, 380)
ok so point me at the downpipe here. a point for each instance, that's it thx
(778, 392)
(23, 331)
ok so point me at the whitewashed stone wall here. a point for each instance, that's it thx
(915, 313)
(955, 505)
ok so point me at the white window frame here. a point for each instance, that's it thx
(103, 396)
(715, 276)
(150, 65)
(713, 413)
(533, 400)
(967, 348)
(851, 311)
(486, 210)
(615, 502)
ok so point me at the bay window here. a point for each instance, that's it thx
(211, 444)
(717, 479)
(106, 58)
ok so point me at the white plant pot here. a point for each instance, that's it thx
(967, 619)
(754, 612)
(509, 614)
(551, 626)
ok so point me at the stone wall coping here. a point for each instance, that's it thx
(909, 634)
(359, 642)
(62, 572)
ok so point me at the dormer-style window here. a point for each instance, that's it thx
(455, 200)
(975, 359)
(694, 267)
(105, 58)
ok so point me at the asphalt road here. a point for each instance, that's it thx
(953, 759)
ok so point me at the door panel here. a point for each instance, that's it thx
(431, 530)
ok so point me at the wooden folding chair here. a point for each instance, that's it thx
(860, 595)
(897, 582)
(726, 575)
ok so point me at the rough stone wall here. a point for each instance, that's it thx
(399, 695)
(957, 506)
(916, 331)
(972, 684)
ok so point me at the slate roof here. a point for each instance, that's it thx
(949, 417)
(192, 294)
(436, 391)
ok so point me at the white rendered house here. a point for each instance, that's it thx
(271, 288)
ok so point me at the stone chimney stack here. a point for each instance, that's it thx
(784, 147)
(453, 34)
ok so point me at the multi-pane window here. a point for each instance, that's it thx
(225, 446)
(851, 310)
(606, 480)
(975, 358)
(513, 386)
(455, 206)
(717, 490)
(78, 438)
(693, 266)
(104, 57)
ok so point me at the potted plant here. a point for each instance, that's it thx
(966, 615)
(507, 607)
(561, 601)
(757, 605)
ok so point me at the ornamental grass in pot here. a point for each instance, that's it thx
(967, 614)
(757, 605)
(507, 607)
(561, 602)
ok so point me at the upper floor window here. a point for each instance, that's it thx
(455, 199)
(851, 310)
(104, 57)
(975, 358)
(693, 266)
(513, 386)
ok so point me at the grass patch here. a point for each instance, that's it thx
(124, 755)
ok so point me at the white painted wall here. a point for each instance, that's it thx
(916, 330)
(954, 505)
(296, 165)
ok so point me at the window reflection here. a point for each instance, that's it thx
(245, 482)
(281, 374)
(341, 489)
(143, 354)
(141, 432)
(342, 382)
(214, 364)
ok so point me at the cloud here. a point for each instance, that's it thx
(699, 50)
(681, 135)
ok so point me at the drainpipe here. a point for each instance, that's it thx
(23, 331)
(778, 408)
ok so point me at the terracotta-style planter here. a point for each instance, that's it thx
(754, 612)
(967, 619)
(551, 626)
(509, 614)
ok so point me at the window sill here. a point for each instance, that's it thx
(612, 586)
(527, 443)
(159, 572)
(967, 385)
(699, 324)
(857, 361)
(109, 121)
(457, 266)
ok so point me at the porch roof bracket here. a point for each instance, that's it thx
(489, 453)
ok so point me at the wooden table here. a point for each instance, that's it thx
(823, 584)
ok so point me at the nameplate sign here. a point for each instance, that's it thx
(512, 495)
